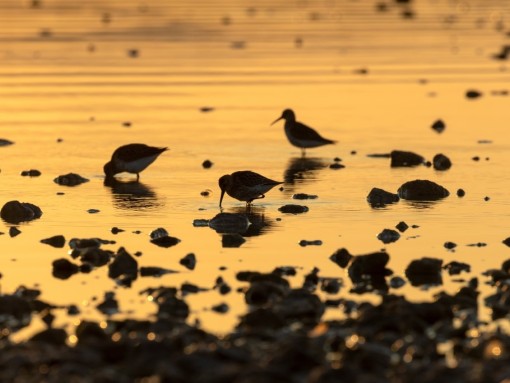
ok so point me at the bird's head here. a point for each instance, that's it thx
(287, 115)
(225, 183)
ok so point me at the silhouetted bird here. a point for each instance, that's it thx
(132, 158)
(245, 185)
(299, 134)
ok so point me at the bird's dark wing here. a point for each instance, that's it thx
(303, 132)
(249, 178)
(134, 152)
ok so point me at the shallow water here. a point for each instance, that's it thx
(375, 81)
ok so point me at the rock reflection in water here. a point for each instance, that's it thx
(301, 168)
(247, 223)
(133, 195)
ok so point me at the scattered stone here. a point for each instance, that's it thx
(455, 268)
(160, 237)
(123, 266)
(473, 94)
(115, 230)
(14, 231)
(232, 240)
(439, 126)
(154, 271)
(109, 306)
(397, 282)
(201, 222)
(336, 165)
(221, 308)
(461, 193)
(422, 190)
(293, 209)
(16, 212)
(341, 257)
(93, 211)
(229, 223)
(189, 261)
(450, 245)
(367, 272)
(58, 241)
(476, 158)
(304, 196)
(506, 241)
(304, 243)
(486, 198)
(401, 158)
(206, 109)
(425, 271)
(441, 162)
(402, 226)
(30, 173)
(63, 268)
(207, 164)
(388, 236)
(379, 155)
(4, 142)
(70, 179)
(380, 198)
(205, 193)
(478, 244)
(51, 336)
(331, 285)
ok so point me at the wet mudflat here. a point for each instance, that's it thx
(381, 258)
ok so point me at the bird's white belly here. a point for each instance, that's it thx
(138, 165)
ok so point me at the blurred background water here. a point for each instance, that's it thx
(78, 79)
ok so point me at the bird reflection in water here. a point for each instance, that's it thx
(302, 169)
(132, 195)
(239, 220)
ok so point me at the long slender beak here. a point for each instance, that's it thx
(275, 121)
(222, 194)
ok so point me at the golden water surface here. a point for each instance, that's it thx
(80, 78)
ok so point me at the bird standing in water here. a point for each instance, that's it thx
(131, 158)
(299, 134)
(245, 185)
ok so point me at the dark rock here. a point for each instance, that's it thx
(450, 245)
(379, 155)
(5, 142)
(336, 165)
(232, 240)
(15, 312)
(123, 265)
(425, 271)
(16, 212)
(439, 126)
(300, 306)
(53, 336)
(287, 271)
(402, 226)
(58, 241)
(261, 319)
(461, 193)
(161, 238)
(14, 231)
(397, 282)
(31, 173)
(293, 209)
(154, 271)
(441, 162)
(472, 94)
(90, 333)
(189, 261)
(207, 164)
(265, 289)
(304, 196)
(221, 308)
(70, 179)
(388, 236)
(401, 158)
(422, 190)
(96, 257)
(115, 230)
(331, 285)
(110, 305)
(455, 268)
(368, 272)
(229, 223)
(379, 197)
(506, 241)
(341, 257)
(63, 268)
(205, 109)
(304, 243)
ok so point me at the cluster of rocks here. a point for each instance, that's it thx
(282, 337)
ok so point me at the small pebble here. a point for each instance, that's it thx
(93, 211)
(207, 164)
(31, 173)
(336, 165)
(461, 193)
(486, 198)
(304, 243)
(450, 245)
(116, 230)
(402, 226)
(14, 231)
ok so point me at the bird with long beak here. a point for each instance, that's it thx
(299, 134)
(245, 186)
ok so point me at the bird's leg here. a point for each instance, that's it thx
(137, 177)
(303, 154)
